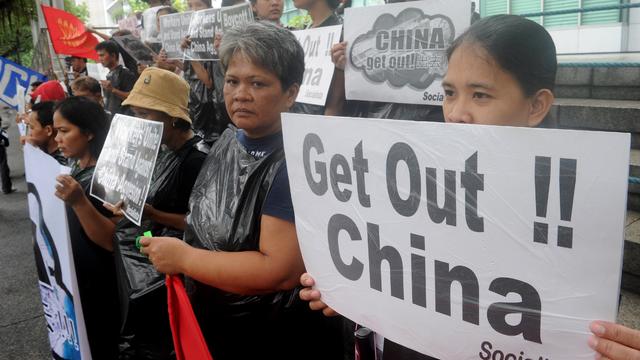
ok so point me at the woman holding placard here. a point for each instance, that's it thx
(240, 256)
(502, 72)
(82, 127)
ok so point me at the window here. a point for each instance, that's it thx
(600, 17)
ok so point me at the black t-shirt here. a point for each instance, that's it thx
(96, 276)
(122, 79)
(278, 202)
(176, 197)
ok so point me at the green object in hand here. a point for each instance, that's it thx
(147, 234)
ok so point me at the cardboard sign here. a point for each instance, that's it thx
(206, 23)
(54, 257)
(136, 48)
(397, 52)
(462, 241)
(126, 164)
(97, 71)
(13, 75)
(319, 69)
(174, 28)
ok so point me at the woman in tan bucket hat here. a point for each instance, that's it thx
(158, 95)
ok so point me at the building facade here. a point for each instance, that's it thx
(578, 33)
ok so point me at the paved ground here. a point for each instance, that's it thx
(22, 325)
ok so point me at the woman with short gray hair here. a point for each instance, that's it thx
(240, 256)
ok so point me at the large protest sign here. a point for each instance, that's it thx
(125, 166)
(319, 69)
(397, 52)
(462, 241)
(54, 258)
(173, 28)
(206, 23)
(14, 77)
(136, 48)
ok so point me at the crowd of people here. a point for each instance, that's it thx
(219, 204)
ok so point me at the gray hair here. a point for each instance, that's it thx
(264, 44)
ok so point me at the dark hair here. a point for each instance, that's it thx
(333, 4)
(87, 83)
(520, 46)
(264, 44)
(89, 116)
(181, 124)
(35, 84)
(226, 3)
(168, 9)
(109, 46)
(45, 112)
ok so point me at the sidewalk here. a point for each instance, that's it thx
(23, 333)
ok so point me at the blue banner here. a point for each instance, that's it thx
(12, 74)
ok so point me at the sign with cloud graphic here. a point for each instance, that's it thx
(397, 52)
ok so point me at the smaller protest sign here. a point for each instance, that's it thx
(206, 23)
(54, 261)
(173, 28)
(136, 48)
(397, 52)
(319, 69)
(123, 171)
(97, 71)
(12, 75)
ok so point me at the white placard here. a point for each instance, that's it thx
(397, 52)
(387, 211)
(97, 71)
(318, 68)
(54, 257)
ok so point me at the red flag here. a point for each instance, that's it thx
(187, 337)
(68, 34)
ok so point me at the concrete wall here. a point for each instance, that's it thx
(634, 28)
(589, 38)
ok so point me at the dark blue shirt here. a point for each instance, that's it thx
(278, 202)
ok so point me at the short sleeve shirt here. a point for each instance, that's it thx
(122, 79)
(278, 202)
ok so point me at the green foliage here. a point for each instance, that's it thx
(16, 41)
(138, 5)
(142, 5)
(300, 21)
(180, 5)
(80, 11)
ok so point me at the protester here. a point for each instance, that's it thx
(268, 10)
(176, 170)
(150, 28)
(82, 128)
(240, 257)
(41, 132)
(5, 172)
(48, 91)
(128, 61)
(88, 87)
(119, 80)
(474, 14)
(208, 120)
(501, 71)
